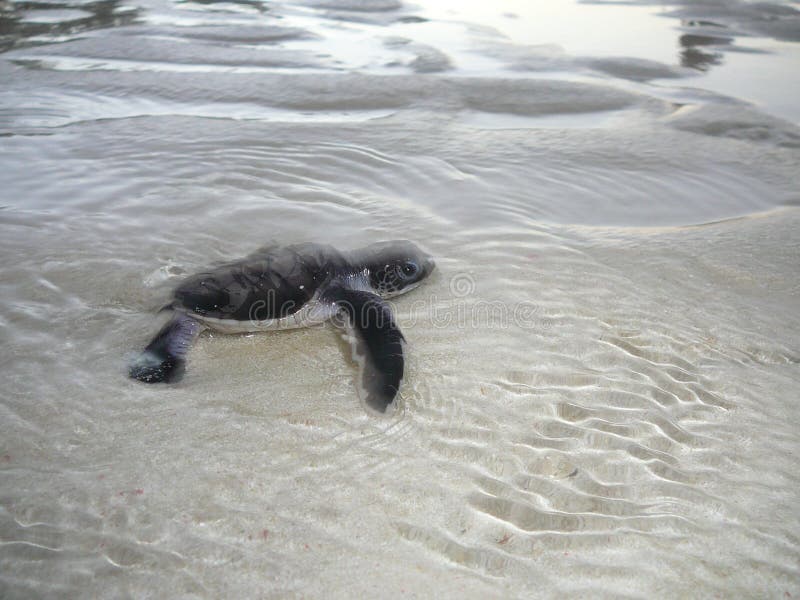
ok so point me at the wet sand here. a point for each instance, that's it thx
(601, 392)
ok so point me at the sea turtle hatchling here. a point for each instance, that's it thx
(284, 287)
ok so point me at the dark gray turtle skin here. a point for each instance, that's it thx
(283, 287)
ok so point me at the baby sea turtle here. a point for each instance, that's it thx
(284, 287)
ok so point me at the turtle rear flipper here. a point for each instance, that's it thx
(376, 342)
(164, 358)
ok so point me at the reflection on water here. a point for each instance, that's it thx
(694, 54)
(689, 40)
(224, 5)
(717, 38)
(22, 21)
(694, 58)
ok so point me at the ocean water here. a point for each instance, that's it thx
(601, 398)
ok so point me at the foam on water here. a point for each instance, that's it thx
(602, 372)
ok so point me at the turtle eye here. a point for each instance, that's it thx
(410, 268)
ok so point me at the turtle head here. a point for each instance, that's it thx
(395, 267)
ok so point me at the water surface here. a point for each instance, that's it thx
(601, 393)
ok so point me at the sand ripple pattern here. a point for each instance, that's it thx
(617, 430)
(612, 432)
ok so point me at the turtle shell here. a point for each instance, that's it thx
(272, 283)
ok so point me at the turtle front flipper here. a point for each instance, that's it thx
(376, 341)
(164, 358)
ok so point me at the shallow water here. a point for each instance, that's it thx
(601, 395)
